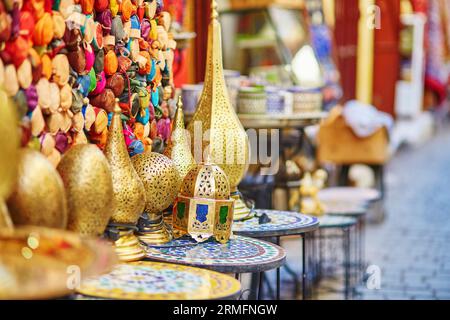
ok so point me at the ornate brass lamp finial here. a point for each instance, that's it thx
(214, 13)
(180, 102)
(179, 150)
(227, 140)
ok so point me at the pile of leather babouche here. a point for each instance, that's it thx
(65, 62)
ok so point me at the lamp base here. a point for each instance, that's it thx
(241, 211)
(126, 244)
(153, 230)
(168, 219)
(128, 247)
(5, 219)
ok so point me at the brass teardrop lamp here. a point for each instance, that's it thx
(129, 195)
(228, 142)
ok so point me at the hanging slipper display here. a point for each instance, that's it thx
(64, 62)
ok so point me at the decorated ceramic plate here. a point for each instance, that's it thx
(180, 242)
(145, 280)
(42, 263)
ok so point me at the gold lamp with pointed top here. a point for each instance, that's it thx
(216, 121)
(179, 150)
(129, 195)
(9, 155)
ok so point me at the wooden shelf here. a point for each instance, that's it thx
(274, 121)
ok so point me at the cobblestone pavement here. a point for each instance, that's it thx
(412, 246)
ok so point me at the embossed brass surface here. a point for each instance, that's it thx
(129, 194)
(161, 183)
(38, 198)
(9, 144)
(204, 207)
(87, 179)
(128, 247)
(178, 148)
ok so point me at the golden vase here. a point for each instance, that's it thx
(216, 122)
(161, 184)
(128, 190)
(9, 155)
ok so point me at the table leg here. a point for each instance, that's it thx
(304, 294)
(278, 275)
(359, 262)
(355, 262)
(260, 286)
(320, 255)
(363, 246)
(254, 286)
(294, 277)
(346, 244)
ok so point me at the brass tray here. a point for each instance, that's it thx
(43, 263)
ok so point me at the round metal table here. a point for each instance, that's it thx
(282, 223)
(348, 195)
(145, 280)
(344, 225)
(239, 255)
(359, 212)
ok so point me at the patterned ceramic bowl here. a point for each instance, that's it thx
(252, 100)
(306, 100)
(275, 100)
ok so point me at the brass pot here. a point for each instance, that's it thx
(87, 179)
(39, 198)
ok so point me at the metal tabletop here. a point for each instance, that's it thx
(283, 223)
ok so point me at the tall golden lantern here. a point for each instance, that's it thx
(9, 155)
(128, 189)
(179, 150)
(216, 121)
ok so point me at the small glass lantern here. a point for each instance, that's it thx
(204, 208)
